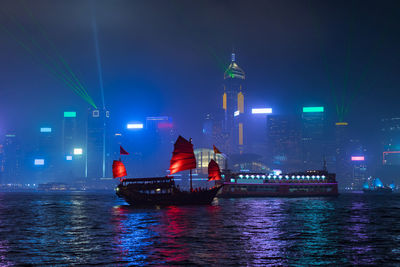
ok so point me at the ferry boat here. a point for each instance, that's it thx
(299, 184)
(162, 190)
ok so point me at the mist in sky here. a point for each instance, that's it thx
(168, 58)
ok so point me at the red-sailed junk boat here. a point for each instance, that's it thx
(162, 190)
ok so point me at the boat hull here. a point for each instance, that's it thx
(175, 197)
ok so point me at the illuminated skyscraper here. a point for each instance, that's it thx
(98, 144)
(233, 106)
(69, 132)
(313, 137)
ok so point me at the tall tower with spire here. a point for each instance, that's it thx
(233, 106)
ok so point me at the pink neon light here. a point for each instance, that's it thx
(357, 158)
(165, 125)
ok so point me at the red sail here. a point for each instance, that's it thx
(182, 157)
(118, 169)
(214, 173)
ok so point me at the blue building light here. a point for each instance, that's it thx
(45, 130)
(39, 162)
(261, 111)
(134, 126)
(78, 151)
(378, 182)
(68, 157)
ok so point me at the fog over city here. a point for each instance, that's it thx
(166, 65)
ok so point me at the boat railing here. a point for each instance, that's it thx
(151, 180)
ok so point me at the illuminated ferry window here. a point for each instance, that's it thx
(317, 176)
(280, 176)
(263, 176)
(323, 176)
(240, 176)
(258, 176)
(298, 177)
(252, 176)
(232, 180)
(287, 176)
(313, 176)
(269, 176)
(247, 176)
(308, 177)
(274, 176)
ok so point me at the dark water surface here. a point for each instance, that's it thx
(97, 228)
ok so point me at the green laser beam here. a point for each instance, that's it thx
(44, 34)
(35, 57)
(54, 64)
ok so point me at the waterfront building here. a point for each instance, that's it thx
(73, 147)
(12, 159)
(204, 156)
(47, 149)
(390, 141)
(344, 167)
(69, 132)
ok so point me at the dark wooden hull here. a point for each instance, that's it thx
(175, 197)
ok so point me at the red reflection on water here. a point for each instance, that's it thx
(174, 226)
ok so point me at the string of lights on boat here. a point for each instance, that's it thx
(280, 177)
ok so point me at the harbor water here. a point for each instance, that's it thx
(98, 228)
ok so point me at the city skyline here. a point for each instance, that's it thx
(135, 73)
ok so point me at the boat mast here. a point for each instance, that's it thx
(191, 186)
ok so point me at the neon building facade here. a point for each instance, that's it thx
(233, 107)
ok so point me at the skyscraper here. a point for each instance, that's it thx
(12, 159)
(69, 132)
(313, 137)
(283, 139)
(343, 152)
(73, 146)
(233, 106)
(98, 144)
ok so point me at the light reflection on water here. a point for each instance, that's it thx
(83, 228)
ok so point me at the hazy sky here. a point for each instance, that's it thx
(167, 57)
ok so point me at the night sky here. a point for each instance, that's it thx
(168, 58)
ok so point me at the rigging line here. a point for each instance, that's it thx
(42, 62)
(44, 34)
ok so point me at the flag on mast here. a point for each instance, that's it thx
(122, 151)
(216, 150)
